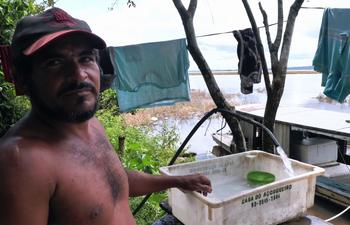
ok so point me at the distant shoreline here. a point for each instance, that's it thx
(236, 73)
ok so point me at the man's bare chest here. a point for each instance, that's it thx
(91, 182)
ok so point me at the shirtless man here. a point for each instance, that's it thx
(56, 165)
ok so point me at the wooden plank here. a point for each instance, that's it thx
(321, 119)
(328, 133)
(339, 169)
(223, 140)
(335, 191)
(328, 122)
(307, 220)
(248, 132)
(282, 133)
(344, 179)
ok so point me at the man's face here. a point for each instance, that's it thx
(65, 80)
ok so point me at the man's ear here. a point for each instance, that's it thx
(107, 73)
(106, 81)
(20, 85)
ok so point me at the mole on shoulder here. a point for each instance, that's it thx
(96, 212)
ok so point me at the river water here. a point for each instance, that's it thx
(300, 90)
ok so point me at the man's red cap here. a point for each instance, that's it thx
(34, 32)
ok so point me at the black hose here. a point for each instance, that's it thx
(195, 128)
(249, 120)
(178, 152)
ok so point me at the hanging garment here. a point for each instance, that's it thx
(337, 85)
(332, 55)
(249, 65)
(107, 73)
(151, 74)
(5, 58)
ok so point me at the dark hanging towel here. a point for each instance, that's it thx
(249, 65)
(106, 68)
(5, 58)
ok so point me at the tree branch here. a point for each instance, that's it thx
(278, 39)
(217, 96)
(273, 47)
(287, 38)
(266, 25)
(180, 7)
(192, 7)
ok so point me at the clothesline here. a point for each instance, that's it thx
(314, 7)
(227, 32)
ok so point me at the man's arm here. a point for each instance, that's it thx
(142, 183)
(24, 192)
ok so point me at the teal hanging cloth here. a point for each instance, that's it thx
(151, 74)
(332, 57)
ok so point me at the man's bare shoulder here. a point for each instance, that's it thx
(21, 151)
(22, 156)
(27, 181)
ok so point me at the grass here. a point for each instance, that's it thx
(200, 103)
(325, 99)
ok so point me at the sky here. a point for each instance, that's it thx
(158, 20)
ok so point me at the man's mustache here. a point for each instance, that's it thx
(76, 86)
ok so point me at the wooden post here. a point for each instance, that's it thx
(121, 145)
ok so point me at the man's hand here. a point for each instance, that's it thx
(195, 182)
(141, 183)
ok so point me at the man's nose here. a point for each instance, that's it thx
(78, 72)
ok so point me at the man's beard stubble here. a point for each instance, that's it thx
(58, 112)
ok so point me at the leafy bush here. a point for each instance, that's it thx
(12, 108)
(144, 151)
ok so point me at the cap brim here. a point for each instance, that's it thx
(46, 39)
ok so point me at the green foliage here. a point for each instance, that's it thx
(12, 108)
(108, 100)
(151, 211)
(144, 151)
(13, 10)
(129, 3)
(147, 152)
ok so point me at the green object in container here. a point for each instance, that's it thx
(260, 177)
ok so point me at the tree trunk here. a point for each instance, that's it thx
(272, 103)
(278, 65)
(238, 144)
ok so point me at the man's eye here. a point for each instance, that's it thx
(52, 63)
(87, 59)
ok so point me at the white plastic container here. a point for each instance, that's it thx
(316, 150)
(233, 201)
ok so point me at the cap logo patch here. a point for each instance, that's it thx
(64, 18)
